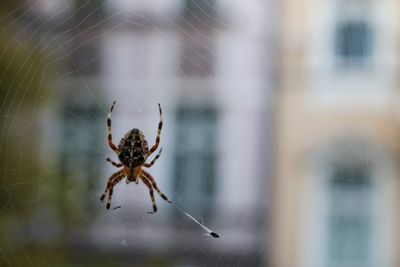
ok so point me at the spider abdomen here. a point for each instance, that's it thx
(133, 148)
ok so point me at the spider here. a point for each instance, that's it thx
(133, 152)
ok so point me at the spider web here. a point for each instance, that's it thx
(207, 63)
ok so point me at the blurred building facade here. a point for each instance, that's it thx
(207, 63)
(337, 175)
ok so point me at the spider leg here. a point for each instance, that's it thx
(153, 201)
(118, 165)
(153, 183)
(110, 191)
(148, 165)
(110, 143)
(155, 146)
(112, 181)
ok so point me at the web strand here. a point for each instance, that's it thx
(208, 230)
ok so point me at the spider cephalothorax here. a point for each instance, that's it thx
(133, 152)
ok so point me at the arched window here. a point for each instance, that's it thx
(349, 212)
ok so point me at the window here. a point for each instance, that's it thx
(353, 43)
(349, 217)
(195, 160)
(89, 11)
(198, 40)
(80, 157)
(85, 59)
(197, 58)
(196, 8)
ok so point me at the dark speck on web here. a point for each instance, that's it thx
(215, 235)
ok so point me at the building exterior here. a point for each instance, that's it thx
(337, 177)
(207, 63)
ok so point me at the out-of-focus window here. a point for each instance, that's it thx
(353, 43)
(197, 58)
(349, 217)
(84, 56)
(194, 172)
(199, 8)
(80, 156)
(85, 60)
(89, 11)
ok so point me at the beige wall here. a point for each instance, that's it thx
(302, 129)
(308, 119)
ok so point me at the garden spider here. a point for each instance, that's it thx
(132, 152)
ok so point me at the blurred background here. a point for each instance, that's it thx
(281, 132)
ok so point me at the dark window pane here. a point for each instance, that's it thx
(194, 170)
(349, 224)
(89, 11)
(197, 59)
(80, 156)
(353, 42)
(199, 8)
(85, 60)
